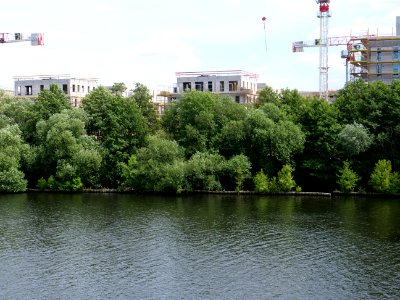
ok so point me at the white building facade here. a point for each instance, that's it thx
(74, 88)
(240, 85)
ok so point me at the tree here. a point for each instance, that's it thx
(317, 165)
(270, 144)
(203, 170)
(157, 167)
(347, 178)
(118, 88)
(238, 171)
(12, 152)
(119, 127)
(267, 95)
(66, 152)
(285, 179)
(355, 139)
(142, 97)
(50, 102)
(383, 180)
(196, 120)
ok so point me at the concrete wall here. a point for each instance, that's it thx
(398, 26)
(74, 88)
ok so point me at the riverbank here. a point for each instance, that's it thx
(315, 194)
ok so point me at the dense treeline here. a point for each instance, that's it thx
(203, 142)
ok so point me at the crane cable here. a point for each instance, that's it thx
(265, 34)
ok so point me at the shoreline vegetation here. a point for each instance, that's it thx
(283, 143)
(240, 193)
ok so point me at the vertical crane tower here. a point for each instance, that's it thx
(324, 15)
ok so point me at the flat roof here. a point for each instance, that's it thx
(53, 76)
(214, 73)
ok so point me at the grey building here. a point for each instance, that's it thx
(75, 88)
(240, 85)
(375, 57)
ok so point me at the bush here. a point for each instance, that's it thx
(383, 180)
(347, 178)
(285, 179)
(283, 183)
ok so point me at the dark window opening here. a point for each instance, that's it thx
(187, 86)
(237, 99)
(233, 86)
(210, 86)
(65, 89)
(222, 86)
(28, 90)
(199, 86)
(73, 88)
(41, 87)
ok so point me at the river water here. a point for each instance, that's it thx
(120, 246)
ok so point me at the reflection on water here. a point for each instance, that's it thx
(96, 246)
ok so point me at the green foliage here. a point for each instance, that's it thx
(42, 184)
(319, 161)
(267, 95)
(50, 102)
(202, 171)
(238, 168)
(284, 182)
(119, 127)
(285, 179)
(196, 120)
(73, 185)
(261, 182)
(355, 139)
(347, 178)
(270, 143)
(65, 151)
(158, 167)
(142, 97)
(383, 180)
(12, 153)
(118, 88)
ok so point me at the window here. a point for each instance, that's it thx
(237, 99)
(187, 86)
(79, 88)
(76, 102)
(73, 88)
(210, 86)
(222, 86)
(199, 86)
(28, 90)
(83, 89)
(379, 55)
(88, 89)
(19, 90)
(233, 86)
(395, 53)
(41, 87)
(395, 68)
(379, 68)
(65, 89)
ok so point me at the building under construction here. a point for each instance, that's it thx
(240, 85)
(74, 88)
(375, 57)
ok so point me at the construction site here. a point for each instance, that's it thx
(368, 56)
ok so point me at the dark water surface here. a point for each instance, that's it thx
(118, 246)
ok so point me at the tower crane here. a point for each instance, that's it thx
(324, 15)
(36, 39)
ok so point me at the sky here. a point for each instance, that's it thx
(147, 41)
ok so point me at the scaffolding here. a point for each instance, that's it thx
(374, 58)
